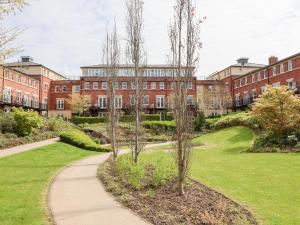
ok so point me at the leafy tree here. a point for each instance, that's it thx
(79, 104)
(278, 111)
(26, 121)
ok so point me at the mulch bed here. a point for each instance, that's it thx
(163, 206)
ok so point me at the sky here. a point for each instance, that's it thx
(67, 34)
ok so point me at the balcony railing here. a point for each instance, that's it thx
(24, 102)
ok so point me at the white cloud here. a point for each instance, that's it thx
(67, 34)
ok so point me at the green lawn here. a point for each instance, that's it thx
(24, 179)
(267, 184)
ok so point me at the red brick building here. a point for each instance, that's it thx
(249, 86)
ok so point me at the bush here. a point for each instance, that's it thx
(151, 117)
(7, 123)
(199, 122)
(126, 118)
(80, 139)
(56, 124)
(239, 119)
(160, 126)
(169, 116)
(269, 142)
(26, 121)
(88, 120)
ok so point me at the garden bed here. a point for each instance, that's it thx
(162, 205)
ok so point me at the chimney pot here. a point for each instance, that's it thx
(26, 59)
(243, 61)
(272, 60)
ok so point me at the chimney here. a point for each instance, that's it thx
(243, 61)
(272, 60)
(26, 59)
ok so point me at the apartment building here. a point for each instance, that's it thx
(158, 89)
(277, 73)
(28, 81)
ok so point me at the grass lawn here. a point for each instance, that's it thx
(24, 179)
(267, 184)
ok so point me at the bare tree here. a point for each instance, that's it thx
(135, 55)
(221, 97)
(111, 57)
(185, 43)
(8, 35)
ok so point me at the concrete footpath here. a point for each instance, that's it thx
(77, 197)
(27, 147)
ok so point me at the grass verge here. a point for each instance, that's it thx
(24, 179)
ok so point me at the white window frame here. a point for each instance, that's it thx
(146, 97)
(290, 65)
(281, 68)
(153, 86)
(102, 101)
(87, 85)
(160, 102)
(190, 85)
(190, 100)
(274, 70)
(254, 91)
(266, 74)
(124, 85)
(60, 104)
(145, 85)
(95, 85)
(161, 85)
(77, 88)
(104, 85)
(118, 102)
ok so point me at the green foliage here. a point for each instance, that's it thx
(150, 117)
(7, 123)
(80, 139)
(88, 120)
(238, 119)
(26, 121)
(146, 173)
(199, 122)
(169, 116)
(126, 118)
(160, 126)
(56, 124)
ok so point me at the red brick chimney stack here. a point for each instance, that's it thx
(272, 60)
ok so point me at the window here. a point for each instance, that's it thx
(173, 85)
(116, 85)
(238, 100)
(7, 95)
(258, 76)
(133, 86)
(290, 65)
(64, 88)
(132, 100)
(57, 89)
(265, 73)
(189, 85)
(6, 74)
(118, 102)
(153, 85)
(104, 85)
(281, 68)
(145, 85)
(146, 100)
(60, 103)
(102, 101)
(160, 102)
(26, 101)
(253, 93)
(19, 79)
(190, 100)
(124, 85)
(253, 78)
(77, 88)
(95, 85)
(35, 101)
(87, 85)
(263, 89)
(241, 82)
(18, 97)
(46, 87)
(161, 85)
(291, 84)
(274, 70)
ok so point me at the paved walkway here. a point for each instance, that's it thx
(25, 148)
(77, 197)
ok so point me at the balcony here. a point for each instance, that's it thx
(24, 102)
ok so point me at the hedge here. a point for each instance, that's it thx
(89, 120)
(160, 125)
(80, 139)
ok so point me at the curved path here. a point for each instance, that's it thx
(77, 197)
(27, 147)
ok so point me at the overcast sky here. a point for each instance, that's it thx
(67, 34)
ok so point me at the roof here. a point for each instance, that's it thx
(268, 66)
(160, 66)
(24, 64)
(249, 65)
(17, 71)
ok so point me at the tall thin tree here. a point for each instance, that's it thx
(184, 38)
(111, 57)
(136, 56)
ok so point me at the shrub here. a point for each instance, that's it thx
(239, 119)
(199, 122)
(169, 116)
(269, 142)
(80, 139)
(126, 118)
(26, 121)
(88, 120)
(7, 123)
(150, 117)
(56, 124)
(160, 126)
